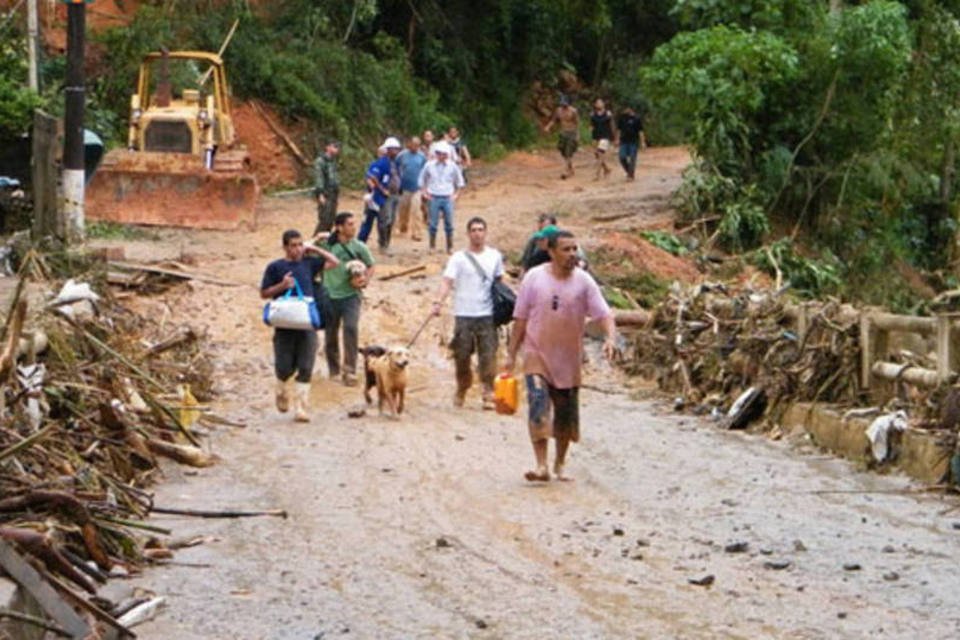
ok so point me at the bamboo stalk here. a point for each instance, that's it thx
(28, 442)
(133, 524)
(203, 513)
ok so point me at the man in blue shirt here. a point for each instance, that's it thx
(378, 205)
(410, 162)
(295, 350)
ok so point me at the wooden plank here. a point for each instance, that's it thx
(49, 600)
(48, 220)
(913, 324)
(184, 275)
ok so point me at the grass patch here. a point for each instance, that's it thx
(645, 288)
(116, 231)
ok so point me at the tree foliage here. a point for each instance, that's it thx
(839, 122)
(16, 100)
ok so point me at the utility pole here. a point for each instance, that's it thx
(73, 121)
(32, 36)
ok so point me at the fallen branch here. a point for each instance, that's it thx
(281, 134)
(35, 621)
(183, 336)
(202, 513)
(613, 216)
(696, 223)
(404, 272)
(184, 454)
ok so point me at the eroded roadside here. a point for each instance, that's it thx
(424, 527)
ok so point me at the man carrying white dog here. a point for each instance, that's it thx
(343, 296)
(295, 350)
(470, 274)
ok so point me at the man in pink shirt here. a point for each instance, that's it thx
(552, 307)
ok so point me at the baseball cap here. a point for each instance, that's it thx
(391, 143)
(441, 147)
(546, 232)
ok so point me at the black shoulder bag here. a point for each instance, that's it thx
(503, 296)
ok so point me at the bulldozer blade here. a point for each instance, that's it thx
(171, 189)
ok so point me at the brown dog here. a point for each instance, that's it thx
(387, 370)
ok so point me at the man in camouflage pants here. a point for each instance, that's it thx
(327, 186)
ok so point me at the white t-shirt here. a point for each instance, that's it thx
(471, 292)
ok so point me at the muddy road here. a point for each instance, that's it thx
(424, 527)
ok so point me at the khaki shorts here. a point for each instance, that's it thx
(567, 144)
(603, 145)
(565, 403)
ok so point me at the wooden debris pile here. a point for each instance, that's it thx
(92, 394)
(713, 345)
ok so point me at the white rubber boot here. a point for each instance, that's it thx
(301, 402)
(282, 396)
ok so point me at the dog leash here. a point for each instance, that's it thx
(419, 331)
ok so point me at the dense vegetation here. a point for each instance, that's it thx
(826, 123)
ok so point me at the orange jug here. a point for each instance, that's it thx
(505, 393)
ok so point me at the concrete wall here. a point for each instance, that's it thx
(923, 455)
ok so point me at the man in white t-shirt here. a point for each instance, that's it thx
(470, 275)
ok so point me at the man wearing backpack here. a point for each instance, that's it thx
(470, 275)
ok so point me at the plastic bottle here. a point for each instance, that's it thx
(505, 393)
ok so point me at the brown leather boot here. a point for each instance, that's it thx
(449, 245)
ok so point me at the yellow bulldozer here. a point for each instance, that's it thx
(182, 165)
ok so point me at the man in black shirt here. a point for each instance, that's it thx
(295, 350)
(603, 133)
(630, 126)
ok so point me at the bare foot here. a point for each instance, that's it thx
(540, 475)
(560, 475)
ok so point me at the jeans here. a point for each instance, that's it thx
(628, 157)
(436, 204)
(384, 220)
(294, 351)
(345, 311)
(369, 217)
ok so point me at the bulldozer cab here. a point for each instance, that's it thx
(181, 105)
(183, 165)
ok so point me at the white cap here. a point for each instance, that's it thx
(441, 146)
(391, 143)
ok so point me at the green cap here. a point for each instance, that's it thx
(546, 232)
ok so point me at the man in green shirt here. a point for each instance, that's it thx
(343, 297)
(327, 186)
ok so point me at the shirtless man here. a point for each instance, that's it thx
(568, 119)
(554, 302)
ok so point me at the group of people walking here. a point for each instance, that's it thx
(407, 184)
(624, 131)
(422, 180)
